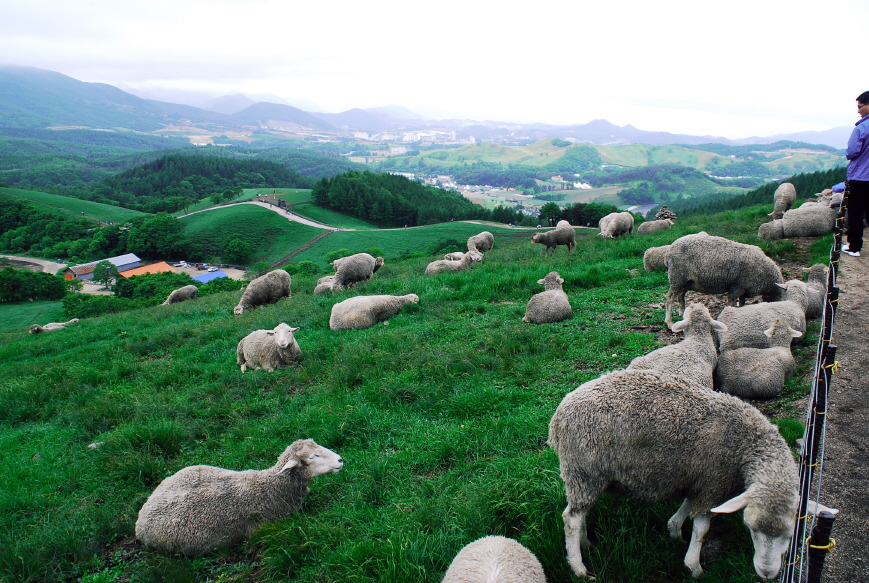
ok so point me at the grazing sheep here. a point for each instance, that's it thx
(783, 199)
(495, 559)
(654, 226)
(50, 327)
(469, 259)
(366, 311)
(716, 265)
(266, 289)
(454, 256)
(655, 258)
(481, 242)
(354, 269)
(203, 507)
(758, 373)
(616, 224)
(654, 437)
(550, 305)
(695, 356)
(325, 284)
(559, 236)
(268, 349)
(188, 292)
(809, 221)
(746, 325)
(817, 290)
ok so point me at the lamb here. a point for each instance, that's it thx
(817, 290)
(746, 325)
(354, 269)
(783, 199)
(694, 357)
(561, 235)
(807, 221)
(717, 265)
(470, 258)
(655, 258)
(495, 559)
(265, 289)
(616, 224)
(758, 373)
(268, 349)
(654, 437)
(366, 311)
(654, 226)
(550, 305)
(201, 508)
(454, 256)
(182, 294)
(481, 242)
(51, 326)
(325, 284)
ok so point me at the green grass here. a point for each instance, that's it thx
(74, 206)
(23, 314)
(329, 217)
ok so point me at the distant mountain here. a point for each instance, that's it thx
(395, 112)
(835, 137)
(274, 116)
(228, 104)
(361, 120)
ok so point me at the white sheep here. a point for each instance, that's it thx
(325, 284)
(616, 224)
(746, 325)
(51, 326)
(354, 269)
(182, 294)
(783, 199)
(817, 290)
(495, 559)
(470, 259)
(201, 508)
(695, 356)
(563, 234)
(654, 226)
(717, 265)
(454, 256)
(268, 349)
(655, 258)
(265, 289)
(654, 437)
(758, 373)
(366, 311)
(550, 305)
(481, 242)
(807, 221)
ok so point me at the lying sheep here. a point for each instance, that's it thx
(550, 305)
(182, 294)
(559, 236)
(203, 507)
(654, 437)
(481, 242)
(468, 260)
(783, 199)
(807, 221)
(355, 269)
(694, 357)
(817, 290)
(325, 284)
(50, 327)
(265, 289)
(454, 256)
(654, 226)
(716, 265)
(655, 258)
(758, 373)
(616, 224)
(268, 349)
(746, 325)
(495, 559)
(366, 311)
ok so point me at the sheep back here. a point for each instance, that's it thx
(355, 269)
(188, 292)
(654, 226)
(616, 224)
(468, 259)
(550, 305)
(495, 559)
(758, 373)
(325, 284)
(808, 221)
(783, 199)
(366, 311)
(265, 289)
(746, 325)
(655, 258)
(268, 349)
(481, 242)
(552, 239)
(817, 290)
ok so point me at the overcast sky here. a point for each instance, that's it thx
(735, 69)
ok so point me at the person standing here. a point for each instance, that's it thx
(858, 177)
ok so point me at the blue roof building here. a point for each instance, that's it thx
(206, 277)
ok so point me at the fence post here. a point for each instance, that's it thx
(820, 544)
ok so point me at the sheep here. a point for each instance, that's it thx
(481, 242)
(717, 265)
(559, 236)
(50, 327)
(470, 258)
(655, 258)
(654, 437)
(654, 226)
(758, 373)
(817, 290)
(783, 199)
(354, 269)
(366, 311)
(325, 284)
(268, 349)
(265, 289)
(695, 356)
(550, 305)
(809, 221)
(616, 224)
(188, 292)
(200, 508)
(495, 559)
(746, 325)
(454, 256)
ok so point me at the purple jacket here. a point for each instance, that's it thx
(858, 151)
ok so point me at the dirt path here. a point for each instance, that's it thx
(38, 265)
(290, 216)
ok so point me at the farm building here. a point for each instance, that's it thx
(85, 271)
(160, 267)
(211, 275)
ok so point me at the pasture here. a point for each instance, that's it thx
(73, 206)
(23, 314)
(329, 217)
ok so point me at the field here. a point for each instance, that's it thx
(22, 315)
(329, 217)
(74, 206)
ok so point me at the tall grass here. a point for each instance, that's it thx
(74, 206)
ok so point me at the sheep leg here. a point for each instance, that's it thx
(698, 535)
(575, 539)
(674, 525)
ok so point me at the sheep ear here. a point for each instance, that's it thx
(541, 281)
(782, 285)
(817, 508)
(795, 333)
(560, 280)
(732, 505)
(716, 325)
(768, 332)
(806, 269)
(290, 465)
(270, 333)
(679, 326)
(294, 329)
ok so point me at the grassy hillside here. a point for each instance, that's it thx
(22, 315)
(74, 206)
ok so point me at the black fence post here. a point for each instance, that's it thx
(820, 544)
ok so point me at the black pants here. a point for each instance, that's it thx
(858, 205)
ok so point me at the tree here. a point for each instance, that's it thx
(105, 272)
(550, 212)
(236, 251)
(158, 236)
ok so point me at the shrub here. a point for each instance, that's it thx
(151, 285)
(88, 306)
(375, 251)
(17, 285)
(302, 267)
(333, 255)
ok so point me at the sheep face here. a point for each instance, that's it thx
(283, 335)
(317, 459)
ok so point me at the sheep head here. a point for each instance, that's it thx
(283, 334)
(316, 459)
